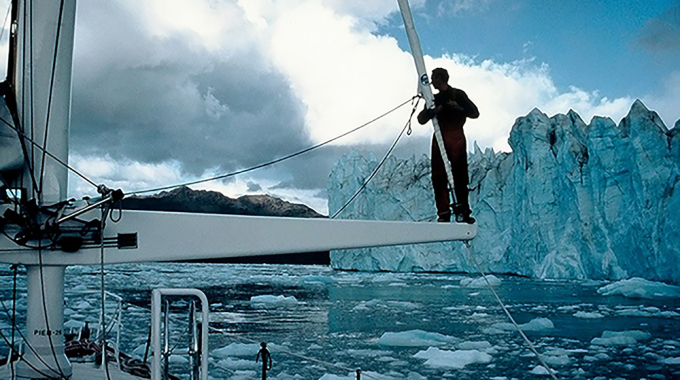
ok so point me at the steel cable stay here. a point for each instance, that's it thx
(232, 174)
(28, 57)
(49, 98)
(284, 158)
(55, 158)
(407, 126)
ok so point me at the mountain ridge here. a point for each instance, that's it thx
(185, 199)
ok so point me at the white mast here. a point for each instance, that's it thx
(43, 93)
(424, 85)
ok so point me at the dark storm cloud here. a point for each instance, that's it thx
(253, 187)
(152, 99)
(662, 34)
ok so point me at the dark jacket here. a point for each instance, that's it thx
(450, 117)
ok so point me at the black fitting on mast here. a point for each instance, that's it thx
(48, 228)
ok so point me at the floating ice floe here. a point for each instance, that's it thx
(368, 374)
(557, 357)
(368, 353)
(671, 361)
(640, 288)
(621, 338)
(325, 280)
(452, 359)
(415, 338)
(587, 315)
(540, 370)
(178, 359)
(233, 364)
(237, 349)
(245, 375)
(642, 311)
(537, 324)
(481, 345)
(267, 301)
(82, 305)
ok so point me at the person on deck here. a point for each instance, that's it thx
(266, 359)
(452, 108)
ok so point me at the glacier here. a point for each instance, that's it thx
(570, 201)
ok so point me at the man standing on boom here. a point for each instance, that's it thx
(452, 107)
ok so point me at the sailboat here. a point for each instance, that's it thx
(45, 231)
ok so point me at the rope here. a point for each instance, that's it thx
(105, 363)
(532, 348)
(15, 267)
(389, 151)
(276, 160)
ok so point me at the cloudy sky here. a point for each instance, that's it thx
(170, 91)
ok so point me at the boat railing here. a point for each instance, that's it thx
(114, 323)
(198, 344)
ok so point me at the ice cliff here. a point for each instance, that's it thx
(572, 200)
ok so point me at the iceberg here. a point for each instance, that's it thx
(571, 201)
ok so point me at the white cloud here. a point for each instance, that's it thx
(345, 75)
(207, 22)
(132, 177)
(123, 174)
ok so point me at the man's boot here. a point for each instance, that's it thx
(463, 213)
(444, 217)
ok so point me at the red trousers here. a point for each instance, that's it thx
(456, 149)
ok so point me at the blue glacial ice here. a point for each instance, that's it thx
(571, 201)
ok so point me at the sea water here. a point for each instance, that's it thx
(324, 324)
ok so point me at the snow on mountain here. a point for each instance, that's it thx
(572, 201)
